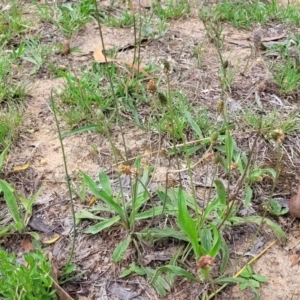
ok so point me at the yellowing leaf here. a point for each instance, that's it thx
(92, 201)
(53, 240)
(21, 168)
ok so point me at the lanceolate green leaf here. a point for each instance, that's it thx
(11, 202)
(156, 211)
(275, 227)
(187, 224)
(101, 194)
(193, 124)
(206, 239)
(102, 225)
(216, 241)
(221, 192)
(228, 147)
(225, 255)
(2, 157)
(120, 250)
(105, 184)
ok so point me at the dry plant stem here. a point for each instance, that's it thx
(158, 151)
(118, 113)
(68, 179)
(195, 164)
(110, 77)
(242, 269)
(170, 108)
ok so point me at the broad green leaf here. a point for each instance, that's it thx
(133, 268)
(98, 208)
(160, 284)
(229, 147)
(193, 124)
(260, 278)
(244, 285)
(11, 202)
(231, 280)
(155, 234)
(102, 225)
(221, 192)
(177, 271)
(120, 250)
(105, 184)
(211, 207)
(225, 255)
(206, 238)
(187, 224)
(216, 241)
(3, 156)
(101, 194)
(254, 283)
(247, 272)
(248, 196)
(156, 211)
(84, 214)
(6, 230)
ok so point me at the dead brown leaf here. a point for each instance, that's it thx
(100, 57)
(27, 245)
(294, 259)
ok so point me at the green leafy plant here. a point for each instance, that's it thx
(275, 208)
(247, 279)
(69, 18)
(12, 21)
(13, 201)
(125, 213)
(31, 280)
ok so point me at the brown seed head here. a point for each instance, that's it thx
(220, 106)
(278, 135)
(151, 86)
(127, 169)
(205, 262)
(65, 47)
